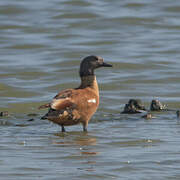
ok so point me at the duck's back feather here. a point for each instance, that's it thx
(60, 98)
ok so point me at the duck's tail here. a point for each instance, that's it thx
(48, 105)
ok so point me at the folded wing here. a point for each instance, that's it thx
(62, 109)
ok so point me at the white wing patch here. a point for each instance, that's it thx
(92, 101)
(55, 102)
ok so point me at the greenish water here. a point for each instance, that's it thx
(41, 46)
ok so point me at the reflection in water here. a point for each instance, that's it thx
(89, 153)
(85, 141)
(76, 138)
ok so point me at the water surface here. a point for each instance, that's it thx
(41, 46)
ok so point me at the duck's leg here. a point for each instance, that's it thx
(85, 125)
(62, 128)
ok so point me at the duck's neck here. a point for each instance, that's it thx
(89, 81)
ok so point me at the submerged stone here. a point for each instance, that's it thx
(134, 106)
(156, 105)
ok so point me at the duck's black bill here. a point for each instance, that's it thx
(106, 65)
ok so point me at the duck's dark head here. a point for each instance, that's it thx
(90, 63)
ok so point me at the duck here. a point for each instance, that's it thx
(77, 106)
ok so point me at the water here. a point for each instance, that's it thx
(41, 45)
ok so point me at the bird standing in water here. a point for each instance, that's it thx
(74, 106)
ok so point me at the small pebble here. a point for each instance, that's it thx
(147, 116)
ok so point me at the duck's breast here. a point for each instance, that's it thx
(87, 102)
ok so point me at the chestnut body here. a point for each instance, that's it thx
(74, 106)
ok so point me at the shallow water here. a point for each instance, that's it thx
(41, 45)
